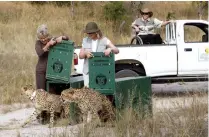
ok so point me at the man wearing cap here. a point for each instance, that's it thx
(94, 42)
(145, 26)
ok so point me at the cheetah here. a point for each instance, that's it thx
(90, 103)
(44, 101)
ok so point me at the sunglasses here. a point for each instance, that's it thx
(90, 33)
(145, 13)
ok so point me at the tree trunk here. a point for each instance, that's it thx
(72, 9)
(200, 10)
(121, 27)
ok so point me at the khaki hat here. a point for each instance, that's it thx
(146, 10)
(91, 27)
(42, 31)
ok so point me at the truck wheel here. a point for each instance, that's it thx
(126, 73)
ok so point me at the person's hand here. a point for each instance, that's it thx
(88, 54)
(137, 29)
(170, 21)
(59, 39)
(107, 51)
(51, 42)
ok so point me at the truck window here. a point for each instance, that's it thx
(195, 32)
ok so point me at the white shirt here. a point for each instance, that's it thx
(94, 45)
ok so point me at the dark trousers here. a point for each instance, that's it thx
(40, 80)
(151, 39)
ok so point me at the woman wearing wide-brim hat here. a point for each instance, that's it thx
(94, 42)
(145, 24)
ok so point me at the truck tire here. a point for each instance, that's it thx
(126, 73)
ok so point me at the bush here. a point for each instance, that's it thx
(114, 11)
(56, 3)
(38, 2)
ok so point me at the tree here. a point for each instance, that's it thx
(135, 7)
(72, 9)
(201, 7)
(114, 11)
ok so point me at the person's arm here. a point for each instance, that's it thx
(159, 23)
(82, 54)
(85, 54)
(134, 25)
(60, 38)
(110, 48)
(46, 47)
(65, 37)
(39, 50)
(165, 23)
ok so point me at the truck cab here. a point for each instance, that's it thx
(193, 46)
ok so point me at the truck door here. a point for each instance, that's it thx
(193, 48)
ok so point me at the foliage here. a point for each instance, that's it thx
(136, 6)
(38, 2)
(203, 4)
(114, 11)
(202, 7)
(170, 15)
(56, 3)
(86, 2)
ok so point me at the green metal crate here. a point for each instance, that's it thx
(58, 72)
(134, 92)
(102, 73)
(75, 82)
(60, 61)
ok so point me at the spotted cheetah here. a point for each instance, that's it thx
(90, 102)
(44, 101)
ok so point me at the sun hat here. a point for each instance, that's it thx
(91, 27)
(146, 10)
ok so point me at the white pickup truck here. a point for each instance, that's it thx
(184, 53)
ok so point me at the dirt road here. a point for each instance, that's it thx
(180, 87)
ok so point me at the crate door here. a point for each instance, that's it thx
(102, 73)
(60, 61)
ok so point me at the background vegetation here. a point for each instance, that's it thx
(19, 20)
